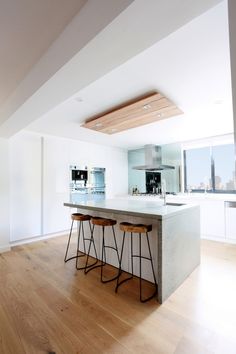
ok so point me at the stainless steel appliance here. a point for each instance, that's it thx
(78, 178)
(153, 159)
(87, 183)
(97, 180)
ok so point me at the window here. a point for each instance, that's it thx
(210, 169)
(224, 169)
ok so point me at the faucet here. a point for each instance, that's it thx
(164, 198)
(163, 190)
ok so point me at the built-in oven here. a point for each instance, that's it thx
(87, 183)
(97, 180)
(79, 175)
(79, 178)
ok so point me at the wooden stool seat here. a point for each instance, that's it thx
(136, 228)
(80, 217)
(103, 221)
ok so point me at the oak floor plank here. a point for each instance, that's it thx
(24, 320)
(10, 342)
(47, 306)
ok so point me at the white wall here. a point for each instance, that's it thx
(4, 196)
(232, 37)
(39, 180)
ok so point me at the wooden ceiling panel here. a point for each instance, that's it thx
(132, 114)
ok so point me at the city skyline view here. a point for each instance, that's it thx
(202, 162)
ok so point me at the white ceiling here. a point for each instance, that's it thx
(27, 29)
(191, 67)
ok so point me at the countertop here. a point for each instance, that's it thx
(181, 197)
(135, 207)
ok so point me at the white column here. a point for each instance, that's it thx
(4, 196)
(232, 42)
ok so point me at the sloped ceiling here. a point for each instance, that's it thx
(106, 34)
(27, 29)
(191, 67)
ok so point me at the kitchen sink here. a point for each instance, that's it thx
(175, 204)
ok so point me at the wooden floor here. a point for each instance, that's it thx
(47, 306)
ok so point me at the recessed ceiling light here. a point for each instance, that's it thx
(147, 106)
(97, 125)
(79, 99)
(218, 102)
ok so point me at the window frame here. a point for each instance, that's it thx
(213, 190)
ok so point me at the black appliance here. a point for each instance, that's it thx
(153, 182)
(79, 175)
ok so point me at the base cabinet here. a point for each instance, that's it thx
(212, 219)
(230, 220)
(218, 218)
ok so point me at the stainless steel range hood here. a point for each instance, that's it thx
(153, 160)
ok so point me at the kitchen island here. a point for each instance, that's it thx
(175, 237)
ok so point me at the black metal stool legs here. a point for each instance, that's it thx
(77, 256)
(103, 258)
(118, 283)
(91, 239)
(120, 263)
(89, 267)
(78, 240)
(104, 251)
(140, 273)
(68, 243)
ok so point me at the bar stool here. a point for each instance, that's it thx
(137, 229)
(102, 222)
(81, 218)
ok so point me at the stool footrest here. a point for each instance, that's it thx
(87, 266)
(96, 266)
(150, 297)
(107, 281)
(122, 281)
(111, 247)
(74, 257)
(142, 257)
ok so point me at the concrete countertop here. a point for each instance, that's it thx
(192, 197)
(141, 208)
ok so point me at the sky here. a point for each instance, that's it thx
(199, 163)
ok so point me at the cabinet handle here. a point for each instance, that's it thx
(230, 204)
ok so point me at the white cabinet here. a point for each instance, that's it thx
(212, 218)
(230, 220)
(25, 186)
(55, 185)
(212, 215)
(4, 196)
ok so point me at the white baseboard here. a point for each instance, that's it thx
(219, 239)
(5, 248)
(38, 238)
